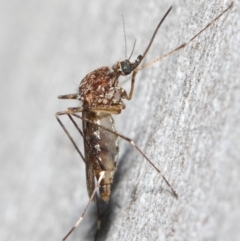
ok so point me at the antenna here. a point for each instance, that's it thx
(132, 49)
(125, 39)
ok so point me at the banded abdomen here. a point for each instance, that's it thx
(101, 151)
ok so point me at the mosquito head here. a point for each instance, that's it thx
(125, 67)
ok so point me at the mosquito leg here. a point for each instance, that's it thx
(135, 146)
(124, 93)
(142, 56)
(69, 96)
(155, 32)
(78, 109)
(186, 43)
(69, 136)
(116, 109)
(76, 126)
(99, 217)
(86, 208)
(71, 110)
(71, 139)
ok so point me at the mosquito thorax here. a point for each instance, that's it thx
(101, 88)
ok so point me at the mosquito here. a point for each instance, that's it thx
(101, 96)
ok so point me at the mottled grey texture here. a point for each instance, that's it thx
(185, 115)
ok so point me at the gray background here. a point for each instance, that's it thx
(185, 115)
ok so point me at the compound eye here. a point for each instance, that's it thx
(126, 68)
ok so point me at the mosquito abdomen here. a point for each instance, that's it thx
(102, 149)
(109, 154)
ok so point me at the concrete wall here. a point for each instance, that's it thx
(185, 115)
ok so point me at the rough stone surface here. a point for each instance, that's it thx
(185, 115)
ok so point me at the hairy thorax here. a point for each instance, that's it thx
(100, 88)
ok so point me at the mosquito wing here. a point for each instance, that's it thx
(88, 130)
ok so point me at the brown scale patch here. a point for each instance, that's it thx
(100, 88)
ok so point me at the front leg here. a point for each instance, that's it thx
(114, 109)
(124, 93)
